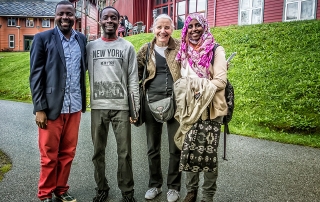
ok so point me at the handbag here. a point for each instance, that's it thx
(199, 150)
(162, 110)
(141, 117)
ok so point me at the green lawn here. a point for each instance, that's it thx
(5, 164)
(275, 75)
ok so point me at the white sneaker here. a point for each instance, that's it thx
(152, 193)
(172, 195)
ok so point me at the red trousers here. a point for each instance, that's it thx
(57, 146)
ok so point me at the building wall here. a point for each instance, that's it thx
(210, 13)
(226, 12)
(318, 10)
(89, 25)
(273, 11)
(141, 11)
(125, 7)
(93, 23)
(19, 34)
(135, 10)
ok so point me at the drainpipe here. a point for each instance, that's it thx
(98, 19)
(174, 16)
(85, 18)
(187, 9)
(214, 15)
(0, 34)
(76, 21)
(149, 21)
(18, 26)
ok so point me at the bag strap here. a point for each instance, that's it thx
(226, 126)
(216, 45)
(144, 72)
(171, 97)
(145, 67)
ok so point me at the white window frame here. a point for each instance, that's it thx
(196, 4)
(250, 10)
(285, 7)
(12, 22)
(29, 22)
(45, 22)
(88, 9)
(11, 41)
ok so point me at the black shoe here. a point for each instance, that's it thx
(128, 199)
(191, 196)
(101, 196)
(65, 197)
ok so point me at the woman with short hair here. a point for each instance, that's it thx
(162, 71)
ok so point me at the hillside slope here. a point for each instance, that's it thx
(275, 75)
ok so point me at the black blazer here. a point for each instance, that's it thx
(48, 72)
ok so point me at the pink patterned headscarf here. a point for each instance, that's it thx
(200, 58)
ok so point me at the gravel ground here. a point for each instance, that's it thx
(256, 170)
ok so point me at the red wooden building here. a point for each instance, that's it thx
(20, 20)
(221, 12)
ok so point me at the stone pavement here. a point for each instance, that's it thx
(256, 170)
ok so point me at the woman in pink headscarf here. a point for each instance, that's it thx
(201, 105)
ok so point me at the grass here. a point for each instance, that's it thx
(5, 164)
(275, 75)
(14, 76)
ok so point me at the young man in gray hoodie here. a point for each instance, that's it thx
(113, 74)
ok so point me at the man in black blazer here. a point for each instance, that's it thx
(57, 83)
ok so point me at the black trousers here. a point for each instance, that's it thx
(154, 132)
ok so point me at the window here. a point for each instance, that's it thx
(185, 7)
(299, 10)
(165, 10)
(251, 12)
(45, 22)
(181, 11)
(158, 2)
(181, 8)
(11, 41)
(29, 22)
(165, 7)
(11, 22)
(181, 20)
(88, 9)
(198, 6)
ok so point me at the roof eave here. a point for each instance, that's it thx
(28, 16)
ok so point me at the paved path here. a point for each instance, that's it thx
(256, 170)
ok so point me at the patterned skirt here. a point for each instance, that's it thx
(199, 150)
